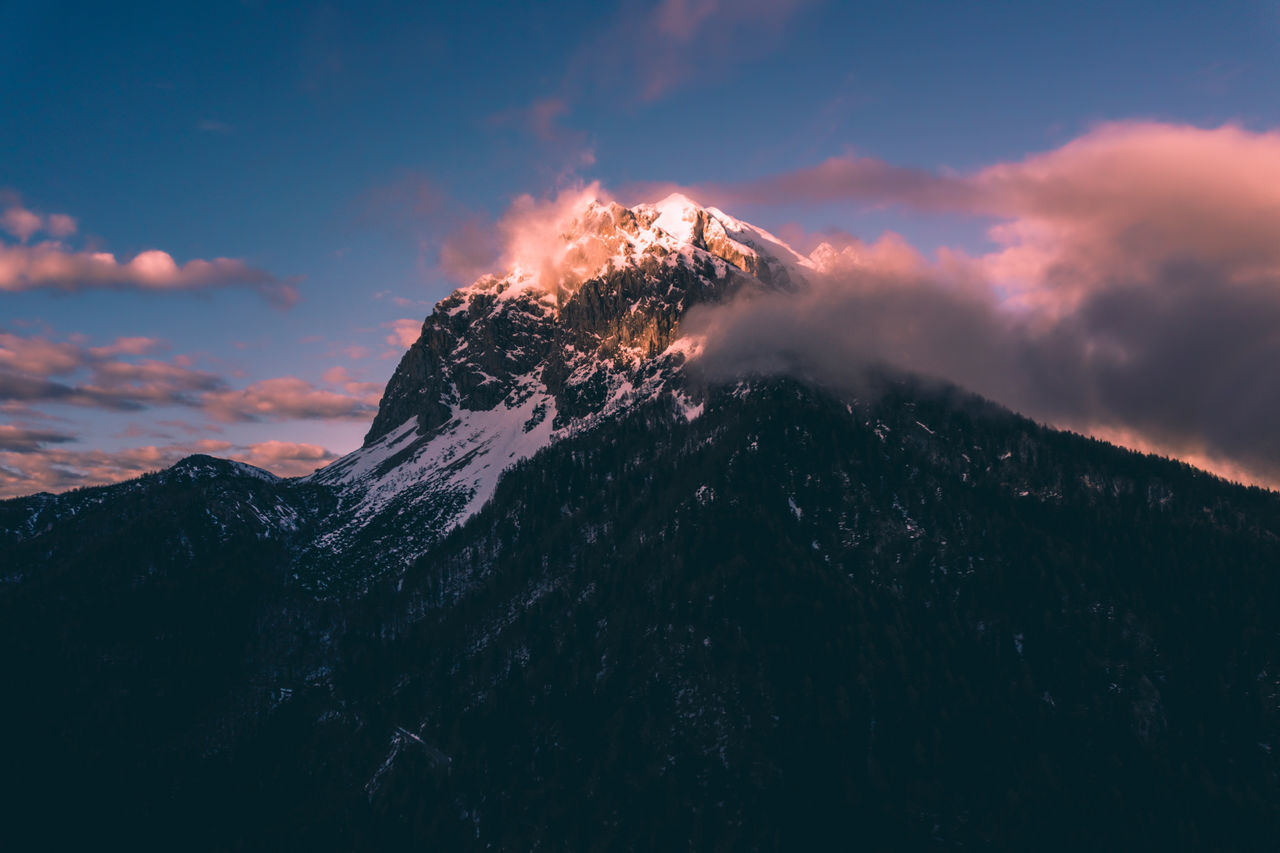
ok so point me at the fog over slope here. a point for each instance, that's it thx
(1134, 291)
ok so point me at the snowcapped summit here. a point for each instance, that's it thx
(677, 214)
(552, 252)
(717, 232)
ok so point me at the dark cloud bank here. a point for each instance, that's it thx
(1135, 295)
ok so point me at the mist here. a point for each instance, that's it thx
(1134, 294)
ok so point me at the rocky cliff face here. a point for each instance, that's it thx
(626, 279)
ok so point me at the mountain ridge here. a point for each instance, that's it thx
(567, 585)
(792, 599)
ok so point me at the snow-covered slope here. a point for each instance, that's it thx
(513, 362)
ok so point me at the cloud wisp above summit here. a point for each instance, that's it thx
(649, 51)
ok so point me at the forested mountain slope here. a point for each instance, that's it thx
(794, 617)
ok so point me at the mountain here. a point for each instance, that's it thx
(572, 595)
(509, 365)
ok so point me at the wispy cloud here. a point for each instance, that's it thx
(35, 369)
(567, 149)
(341, 377)
(644, 53)
(403, 332)
(853, 178)
(287, 398)
(285, 458)
(19, 439)
(650, 50)
(210, 125)
(52, 265)
(19, 222)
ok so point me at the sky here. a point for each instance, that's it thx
(221, 224)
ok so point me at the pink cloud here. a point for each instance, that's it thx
(654, 49)
(336, 376)
(342, 378)
(51, 266)
(41, 357)
(38, 370)
(21, 223)
(19, 439)
(1129, 199)
(1121, 201)
(681, 19)
(857, 179)
(404, 332)
(568, 149)
(286, 458)
(527, 241)
(60, 225)
(59, 469)
(1133, 289)
(420, 210)
(285, 398)
(134, 346)
(726, 33)
(530, 235)
(150, 381)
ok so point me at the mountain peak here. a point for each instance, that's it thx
(552, 250)
(750, 248)
(201, 465)
(678, 215)
(583, 324)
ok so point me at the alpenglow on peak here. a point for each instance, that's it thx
(554, 249)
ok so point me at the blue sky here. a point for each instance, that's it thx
(298, 138)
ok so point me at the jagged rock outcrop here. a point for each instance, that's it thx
(479, 340)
